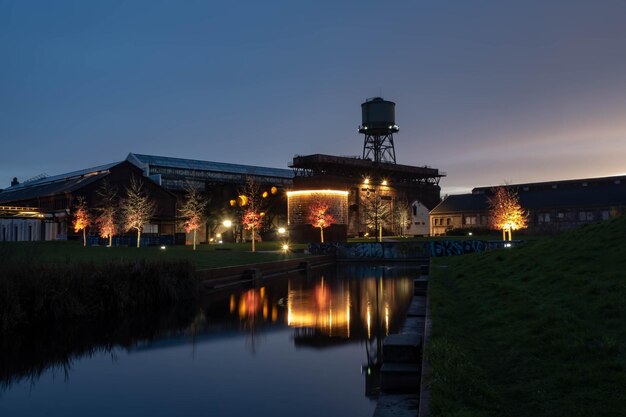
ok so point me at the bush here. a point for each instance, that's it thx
(38, 293)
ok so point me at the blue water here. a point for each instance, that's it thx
(298, 345)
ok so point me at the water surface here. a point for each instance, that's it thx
(305, 345)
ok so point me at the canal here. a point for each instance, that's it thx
(303, 344)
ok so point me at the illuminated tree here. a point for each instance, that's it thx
(377, 211)
(506, 212)
(402, 215)
(319, 217)
(193, 211)
(251, 220)
(82, 218)
(137, 208)
(108, 214)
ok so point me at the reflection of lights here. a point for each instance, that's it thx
(507, 245)
(281, 230)
(312, 192)
(386, 319)
(163, 247)
(469, 234)
(227, 223)
(369, 321)
(285, 247)
(233, 303)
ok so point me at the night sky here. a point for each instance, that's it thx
(486, 91)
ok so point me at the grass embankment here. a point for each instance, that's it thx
(206, 256)
(535, 331)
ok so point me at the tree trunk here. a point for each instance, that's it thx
(84, 237)
(110, 240)
(138, 237)
(509, 234)
(380, 233)
(321, 235)
(194, 239)
(253, 240)
(503, 234)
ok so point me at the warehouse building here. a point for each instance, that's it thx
(551, 206)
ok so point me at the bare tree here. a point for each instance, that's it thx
(319, 217)
(506, 212)
(377, 212)
(82, 218)
(249, 201)
(193, 211)
(137, 208)
(108, 213)
(402, 215)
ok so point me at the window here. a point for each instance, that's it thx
(151, 228)
(543, 218)
(470, 220)
(415, 210)
(448, 221)
(585, 216)
(436, 222)
(605, 215)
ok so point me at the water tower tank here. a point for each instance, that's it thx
(378, 116)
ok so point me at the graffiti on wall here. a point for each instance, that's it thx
(455, 247)
(405, 250)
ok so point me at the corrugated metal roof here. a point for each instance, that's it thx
(62, 177)
(194, 164)
(50, 188)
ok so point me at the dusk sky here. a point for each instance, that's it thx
(485, 91)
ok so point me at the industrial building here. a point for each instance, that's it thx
(551, 206)
(376, 187)
(222, 183)
(41, 208)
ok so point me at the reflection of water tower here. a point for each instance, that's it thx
(378, 126)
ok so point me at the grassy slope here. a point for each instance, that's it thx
(204, 257)
(535, 331)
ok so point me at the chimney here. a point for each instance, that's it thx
(14, 182)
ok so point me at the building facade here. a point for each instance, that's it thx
(53, 199)
(551, 206)
(224, 185)
(375, 193)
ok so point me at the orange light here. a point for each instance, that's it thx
(273, 190)
(233, 203)
(315, 192)
(265, 194)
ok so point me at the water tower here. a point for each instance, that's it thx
(378, 126)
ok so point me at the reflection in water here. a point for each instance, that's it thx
(361, 304)
(331, 315)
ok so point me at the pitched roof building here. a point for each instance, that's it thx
(552, 206)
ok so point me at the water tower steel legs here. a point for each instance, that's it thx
(379, 148)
